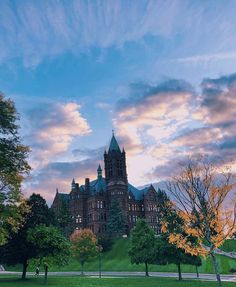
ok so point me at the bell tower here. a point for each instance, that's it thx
(116, 175)
(115, 163)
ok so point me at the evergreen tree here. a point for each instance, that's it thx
(142, 244)
(13, 169)
(116, 223)
(63, 217)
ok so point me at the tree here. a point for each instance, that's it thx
(201, 192)
(63, 217)
(164, 207)
(84, 246)
(116, 223)
(167, 253)
(13, 169)
(142, 244)
(18, 250)
(106, 242)
(51, 246)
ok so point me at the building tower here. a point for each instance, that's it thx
(116, 175)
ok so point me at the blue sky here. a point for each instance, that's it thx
(160, 73)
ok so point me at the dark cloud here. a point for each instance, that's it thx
(140, 92)
(219, 99)
(90, 153)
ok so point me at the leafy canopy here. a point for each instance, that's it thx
(13, 169)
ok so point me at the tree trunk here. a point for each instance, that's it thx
(216, 267)
(82, 268)
(179, 272)
(146, 269)
(45, 274)
(25, 265)
(197, 271)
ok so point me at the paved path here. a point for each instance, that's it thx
(207, 277)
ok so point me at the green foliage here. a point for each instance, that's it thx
(51, 246)
(106, 242)
(63, 217)
(169, 254)
(49, 243)
(18, 249)
(142, 244)
(13, 169)
(116, 223)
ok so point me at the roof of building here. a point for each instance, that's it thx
(100, 184)
(138, 193)
(64, 196)
(114, 144)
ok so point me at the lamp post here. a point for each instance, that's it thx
(100, 261)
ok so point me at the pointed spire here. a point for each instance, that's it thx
(99, 170)
(114, 144)
(73, 184)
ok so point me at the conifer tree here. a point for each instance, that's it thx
(116, 223)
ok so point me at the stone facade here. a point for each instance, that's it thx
(89, 203)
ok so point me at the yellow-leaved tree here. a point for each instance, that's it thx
(206, 202)
(84, 246)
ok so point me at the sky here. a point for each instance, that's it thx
(162, 74)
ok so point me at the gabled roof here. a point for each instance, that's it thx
(114, 145)
(63, 196)
(138, 193)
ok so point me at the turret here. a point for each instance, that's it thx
(99, 170)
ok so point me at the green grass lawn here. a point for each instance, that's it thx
(229, 245)
(106, 282)
(117, 259)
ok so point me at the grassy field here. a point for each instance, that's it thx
(229, 245)
(117, 259)
(106, 282)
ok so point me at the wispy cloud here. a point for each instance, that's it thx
(199, 59)
(33, 30)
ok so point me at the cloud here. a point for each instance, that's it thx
(53, 127)
(199, 59)
(34, 30)
(162, 125)
(40, 29)
(59, 174)
(148, 120)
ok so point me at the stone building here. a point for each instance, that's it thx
(89, 203)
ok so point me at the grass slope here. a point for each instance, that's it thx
(106, 282)
(229, 245)
(117, 259)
